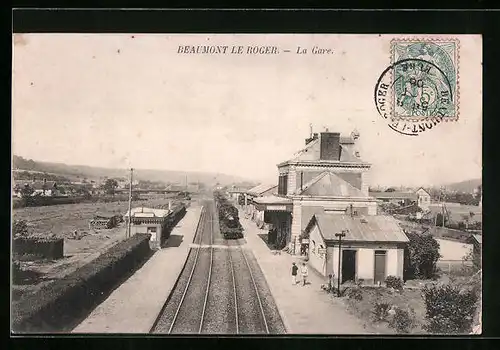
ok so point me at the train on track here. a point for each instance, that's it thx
(229, 222)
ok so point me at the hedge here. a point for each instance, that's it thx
(48, 248)
(59, 305)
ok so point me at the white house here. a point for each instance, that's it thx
(423, 199)
(372, 249)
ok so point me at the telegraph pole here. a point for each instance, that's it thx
(129, 203)
(339, 235)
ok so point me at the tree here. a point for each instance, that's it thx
(440, 218)
(110, 186)
(421, 255)
(26, 191)
(241, 199)
(390, 189)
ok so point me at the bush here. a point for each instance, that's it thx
(48, 248)
(421, 255)
(355, 293)
(403, 321)
(394, 282)
(381, 310)
(56, 306)
(19, 228)
(449, 308)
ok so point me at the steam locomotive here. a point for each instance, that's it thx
(229, 221)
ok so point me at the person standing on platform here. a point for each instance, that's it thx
(294, 274)
(304, 272)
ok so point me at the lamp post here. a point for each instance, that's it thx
(129, 203)
(339, 235)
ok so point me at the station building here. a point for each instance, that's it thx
(328, 181)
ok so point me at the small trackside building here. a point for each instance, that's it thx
(149, 220)
(372, 249)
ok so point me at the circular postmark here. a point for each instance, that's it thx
(414, 95)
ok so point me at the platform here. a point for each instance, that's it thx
(303, 309)
(134, 305)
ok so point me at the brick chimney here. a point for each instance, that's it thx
(330, 146)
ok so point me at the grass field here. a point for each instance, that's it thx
(456, 212)
(63, 220)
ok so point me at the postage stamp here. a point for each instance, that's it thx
(425, 79)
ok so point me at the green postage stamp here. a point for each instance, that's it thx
(425, 76)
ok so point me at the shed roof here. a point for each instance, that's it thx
(260, 189)
(147, 212)
(394, 195)
(376, 228)
(478, 238)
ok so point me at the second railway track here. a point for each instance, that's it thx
(221, 289)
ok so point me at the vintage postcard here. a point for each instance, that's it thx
(246, 184)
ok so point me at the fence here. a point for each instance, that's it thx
(450, 266)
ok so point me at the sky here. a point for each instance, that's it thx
(132, 100)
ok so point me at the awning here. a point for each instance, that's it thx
(273, 203)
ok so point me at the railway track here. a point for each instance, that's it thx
(219, 290)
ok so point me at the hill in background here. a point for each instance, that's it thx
(467, 186)
(89, 172)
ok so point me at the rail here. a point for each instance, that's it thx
(209, 273)
(191, 273)
(256, 290)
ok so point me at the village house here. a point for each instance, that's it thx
(423, 199)
(149, 220)
(45, 188)
(371, 250)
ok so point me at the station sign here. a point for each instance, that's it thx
(276, 207)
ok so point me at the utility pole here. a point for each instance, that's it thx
(129, 203)
(340, 235)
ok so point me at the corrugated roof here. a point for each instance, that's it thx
(394, 195)
(260, 189)
(148, 212)
(330, 185)
(272, 200)
(375, 228)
